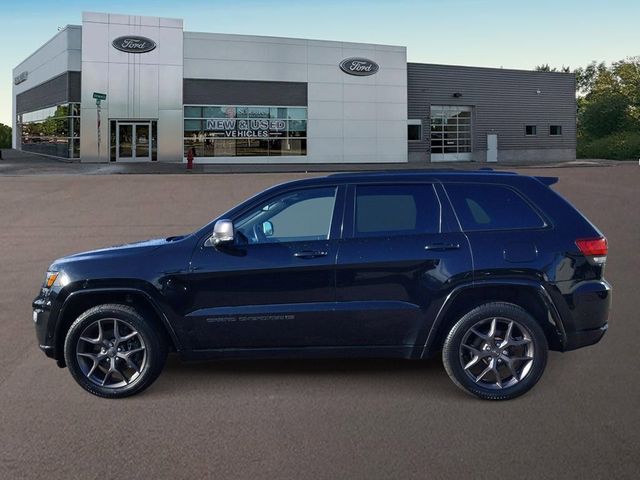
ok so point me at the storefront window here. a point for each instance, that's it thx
(192, 126)
(51, 131)
(297, 113)
(244, 131)
(192, 112)
(253, 112)
(219, 112)
(258, 148)
(278, 112)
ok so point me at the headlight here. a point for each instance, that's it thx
(50, 279)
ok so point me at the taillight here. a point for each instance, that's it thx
(595, 249)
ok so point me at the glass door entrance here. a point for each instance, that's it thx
(133, 141)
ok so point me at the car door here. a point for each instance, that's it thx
(275, 285)
(401, 254)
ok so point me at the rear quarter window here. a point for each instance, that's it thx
(491, 207)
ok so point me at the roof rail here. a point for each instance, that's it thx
(422, 171)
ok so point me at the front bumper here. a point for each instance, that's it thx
(45, 331)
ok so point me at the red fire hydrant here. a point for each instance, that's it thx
(190, 159)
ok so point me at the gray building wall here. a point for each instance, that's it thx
(244, 92)
(351, 119)
(61, 54)
(503, 102)
(141, 87)
(61, 89)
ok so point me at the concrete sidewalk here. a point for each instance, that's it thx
(17, 163)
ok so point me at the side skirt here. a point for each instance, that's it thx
(400, 351)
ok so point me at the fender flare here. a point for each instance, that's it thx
(555, 319)
(125, 290)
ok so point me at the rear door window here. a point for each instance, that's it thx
(385, 210)
(491, 207)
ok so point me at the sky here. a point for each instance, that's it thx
(493, 33)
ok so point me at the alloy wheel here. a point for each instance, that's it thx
(497, 353)
(111, 353)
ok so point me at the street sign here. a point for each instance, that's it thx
(99, 97)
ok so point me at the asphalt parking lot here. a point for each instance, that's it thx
(300, 419)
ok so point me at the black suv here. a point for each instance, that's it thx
(491, 268)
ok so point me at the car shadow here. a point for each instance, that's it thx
(366, 376)
(295, 366)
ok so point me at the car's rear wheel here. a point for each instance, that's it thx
(497, 351)
(113, 352)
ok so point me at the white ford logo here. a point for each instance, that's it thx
(134, 44)
(359, 66)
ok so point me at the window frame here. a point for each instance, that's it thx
(349, 222)
(337, 218)
(415, 122)
(547, 224)
(535, 131)
(559, 127)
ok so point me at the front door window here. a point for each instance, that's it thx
(142, 141)
(300, 216)
(125, 137)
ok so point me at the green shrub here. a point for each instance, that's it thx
(617, 146)
(603, 115)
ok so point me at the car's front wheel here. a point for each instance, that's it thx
(497, 351)
(113, 352)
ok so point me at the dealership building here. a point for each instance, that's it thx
(124, 88)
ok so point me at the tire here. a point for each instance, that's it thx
(490, 360)
(109, 365)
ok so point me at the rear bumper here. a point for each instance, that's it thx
(584, 338)
(586, 313)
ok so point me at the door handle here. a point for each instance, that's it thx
(310, 254)
(442, 246)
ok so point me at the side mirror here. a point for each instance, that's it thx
(223, 232)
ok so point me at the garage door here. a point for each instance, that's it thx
(450, 133)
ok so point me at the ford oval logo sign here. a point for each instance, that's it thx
(359, 66)
(134, 44)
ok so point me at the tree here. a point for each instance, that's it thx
(627, 73)
(609, 109)
(547, 68)
(586, 77)
(5, 136)
(609, 97)
(603, 115)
